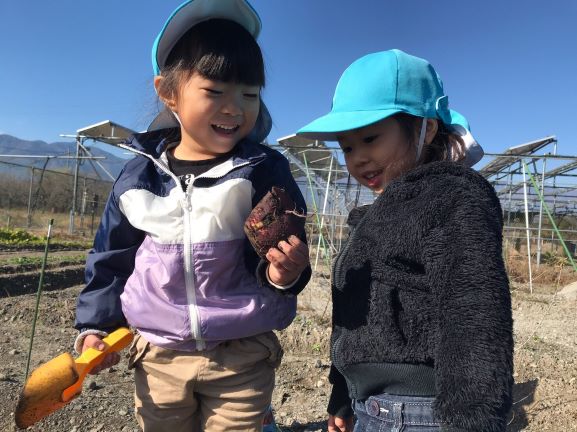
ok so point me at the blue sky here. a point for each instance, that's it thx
(509, 66)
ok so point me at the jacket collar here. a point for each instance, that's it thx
(155, 143)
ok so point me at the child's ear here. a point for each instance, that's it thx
(167, 99)
(432, 129)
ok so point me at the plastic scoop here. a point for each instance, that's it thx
(55, 383)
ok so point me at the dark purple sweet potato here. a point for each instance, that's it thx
(274, 218)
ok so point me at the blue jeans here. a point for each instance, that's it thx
(391, 413)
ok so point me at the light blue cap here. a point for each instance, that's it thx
(192, 12)
(380, 85)
(386, 83)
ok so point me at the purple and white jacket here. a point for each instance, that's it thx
(176, 264)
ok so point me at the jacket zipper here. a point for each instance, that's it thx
(189, 263)
(186, 204)
(189, 269)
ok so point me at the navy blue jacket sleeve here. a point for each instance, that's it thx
(108, 266)
(281, 176)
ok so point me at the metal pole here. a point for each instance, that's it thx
(308, 174)
(509, 185)
(553, 244)
(528, 230)
(29, 213)
(324, 210)
(83, 205)
(567, 251)
(333, 211)
(541, 213)
(74, 187)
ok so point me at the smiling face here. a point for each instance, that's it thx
(212, 80)
(214, 116)
(377, 154)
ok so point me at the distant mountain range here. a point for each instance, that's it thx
(10, 145)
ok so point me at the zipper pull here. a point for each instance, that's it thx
(188, 193)
(184, 203)
(188, 202)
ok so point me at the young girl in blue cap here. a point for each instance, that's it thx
(171, 258)
(422, 327)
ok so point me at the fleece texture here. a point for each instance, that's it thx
(421, 281)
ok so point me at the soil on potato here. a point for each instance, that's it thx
(545, 364)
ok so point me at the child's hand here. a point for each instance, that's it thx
(338, 424)
(94, 341)
(288, 261)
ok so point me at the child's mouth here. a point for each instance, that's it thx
(225, 129)
(373, 178)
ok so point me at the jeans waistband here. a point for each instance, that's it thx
(398, 410)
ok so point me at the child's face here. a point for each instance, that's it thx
(214, 115)
(377, 154)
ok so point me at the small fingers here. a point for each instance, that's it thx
(344, 424)
(331, 425)
(93, 341)
(296, 250)
(281, 261)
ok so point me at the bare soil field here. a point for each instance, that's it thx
(545, 358)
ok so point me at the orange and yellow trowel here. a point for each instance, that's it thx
(55, 383)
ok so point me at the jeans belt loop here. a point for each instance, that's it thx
(398, 416)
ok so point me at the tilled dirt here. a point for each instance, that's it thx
(63, 269)
(545, 364)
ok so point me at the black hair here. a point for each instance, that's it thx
(444, 146)
(217, 49)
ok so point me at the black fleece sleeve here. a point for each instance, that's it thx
(339, 402)
(474, 356)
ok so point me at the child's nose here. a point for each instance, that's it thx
(361, 157)
(233, 106)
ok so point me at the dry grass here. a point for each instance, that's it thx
(17, 219)
(557, 271)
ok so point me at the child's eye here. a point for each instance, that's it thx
(346, 149)
(251, 95)
(370, 139)
(212, 91)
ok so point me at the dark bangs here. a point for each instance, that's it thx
(219, 50)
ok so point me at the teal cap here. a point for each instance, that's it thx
(192, 12)
(380, 85)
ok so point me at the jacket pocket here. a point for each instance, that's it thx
(137, 349)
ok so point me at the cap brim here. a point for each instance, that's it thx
(328, 127)
(190, 13)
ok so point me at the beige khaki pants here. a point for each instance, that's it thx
(225, 389)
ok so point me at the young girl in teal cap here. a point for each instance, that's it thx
(171, 258)
(422, 326)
